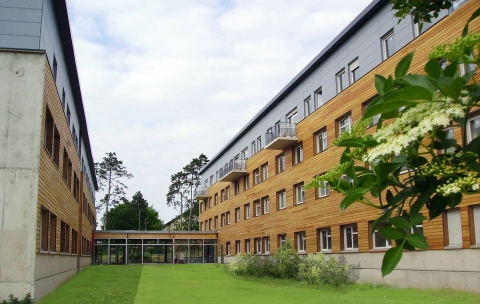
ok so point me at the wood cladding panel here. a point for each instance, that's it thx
(54, 193)
(325, 212)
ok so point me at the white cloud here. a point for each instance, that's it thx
(163, 81)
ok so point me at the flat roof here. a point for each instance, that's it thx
(154, 232)
(361, 19)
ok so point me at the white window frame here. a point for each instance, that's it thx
(282, 200)
(247, 182)
(321, 141)
(228, 217)
(353, 70)
(237, 187)
(211, 179)
(237, 246)
(237, 214)
(216, 199)
(469, 128)
(223, 220)
(301, 242)
(257, 176)
(319, 98)
(299, 194)
(298, 154)
(454, 220)
(344, 124)
(247, 246)
(258, 246)
(258, 208)
(266, 205)
(450, 135)
(340, 81)
(222, 192)
(259, 144)
(244, 153)
(227, 190)
(228, 248)
(353, 233)
(327, 234)
(307, 105)
(247, 211)
(266, 244)
(281, 163)
(376, 234)
(476, 223)
(254, 147)
(324, 191)
(386, 52)
(291, 116)
(265, 172)
(282, 238)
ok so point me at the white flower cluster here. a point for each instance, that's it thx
(413, 124)
(462, 184)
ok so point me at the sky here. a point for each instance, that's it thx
(166, 80)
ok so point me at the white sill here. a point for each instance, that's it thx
(299, 203)
(326, 251)
(475, 246)
(302, 252)
(349, 250)
(452, 247)
(266, 253)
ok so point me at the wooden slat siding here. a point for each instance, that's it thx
(54, 193)
(172, 235)
(325, 212)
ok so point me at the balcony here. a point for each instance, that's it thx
(233, 170)
(200, 193)
(281, 136)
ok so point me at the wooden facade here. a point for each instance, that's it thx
(316, 213)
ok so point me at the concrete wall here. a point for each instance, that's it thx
(452, 269)
(53, 270)
(21, 104)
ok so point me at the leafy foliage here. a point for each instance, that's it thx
(110, 173)
(412, 162)
(12, 300)
(421, 10)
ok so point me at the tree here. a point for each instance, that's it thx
(421, 10)
(110, 172)
(413, 163)
(177, 193)
(192, 170)
(125, 216)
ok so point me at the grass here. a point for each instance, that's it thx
(210, 284)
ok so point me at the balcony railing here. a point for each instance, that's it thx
(232, 170)
(200, 193)
(281, 136)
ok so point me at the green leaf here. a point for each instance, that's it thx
(384, 169)
(451, 69)
(474, 146)
(351, 142)
(399, 222)
(352, 196)
(375, 224)
(389, 84)
(418, 161)
(417, 219)
(389, 197)
(391, 233)
(437, 205)
(433, 68)
(421, 201)
(418, 240)
(391, 259)
(379, 83)
(403, 66)
(421, 81)
(404, 194)
(454, 199)
(474, 15)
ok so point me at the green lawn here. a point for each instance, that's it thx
(210, 284)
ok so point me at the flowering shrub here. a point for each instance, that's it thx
(316, 269)
(12, 300)
(413, 162)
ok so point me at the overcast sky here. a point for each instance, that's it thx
(163, 81)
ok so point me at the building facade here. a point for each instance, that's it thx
(47, 176)
(252, 192)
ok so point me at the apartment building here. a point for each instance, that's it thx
(47, 175)
(252, 192)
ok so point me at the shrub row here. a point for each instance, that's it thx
(287, 264)
(12, 300)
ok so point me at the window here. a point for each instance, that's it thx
(222, 192)
(298, 154)
(228, 217)
(247, 181)
(265, 172)
(216, 222)
(49, 130)
(378, 241)
(237, 215)
(48, 235)
(237, 187)
(299, 194)
(321, 141)
(210, 202)
(224, 223)
(325, 238)
(211, 179)
(228, 248)
(450, 135)
(388, 44)
(301, 241)
(266, 205)
(452, 226)
(340, 80)
(216, 176)
(247, 211)
(210, 224)
(280, 163)
(266, 245)
(291, 116)
(350, 237)
(54, 68)
(375, 118)
(68, 116)
(344, 124)
(206, 183)
(353, 70)
(282, 238)
(244, 153)
(258, 208)
(69, 174)
(258, 245)
(307, 106)
(227, 190)
(63, 98)
(256, 174)
(282, 200)
(259, 143)
(347, 179)
(216, 199)
(319, 98)
(64, 237)
(237, 247)
(473, 128)
(74, 242)
(247, 246)
(254, 147)
(474, 221)
(443, 63)
(324, 191)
